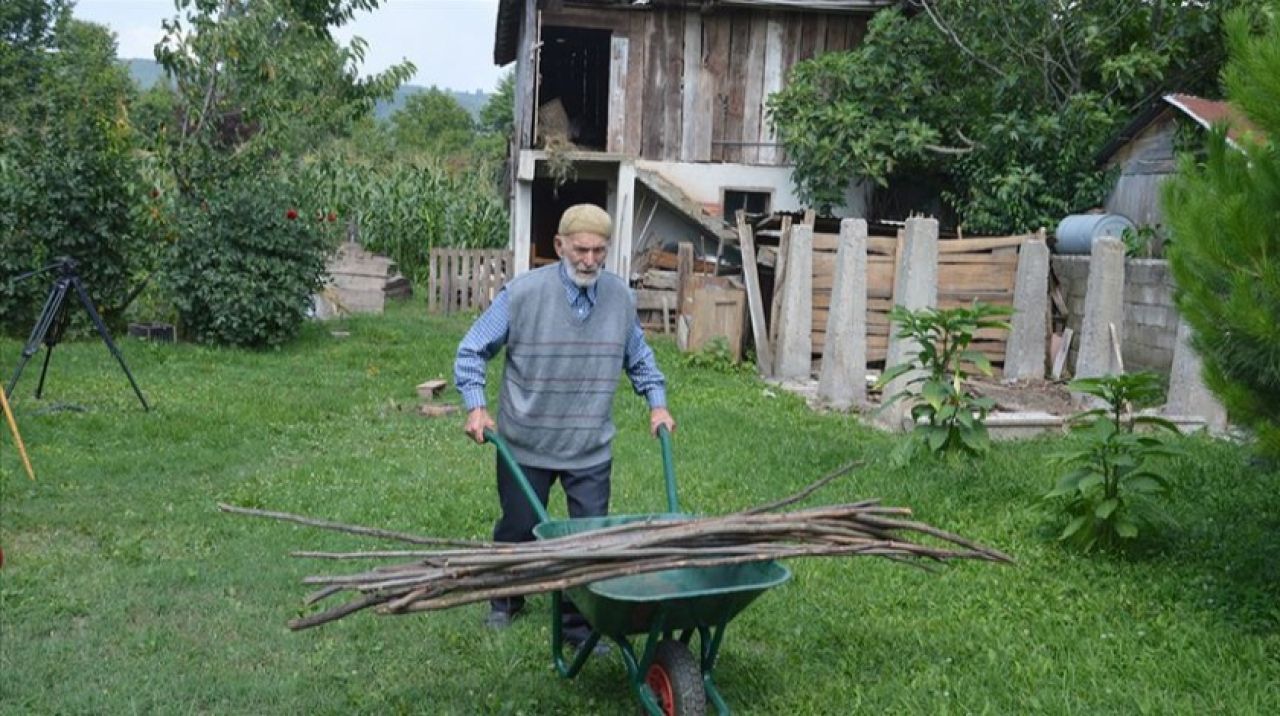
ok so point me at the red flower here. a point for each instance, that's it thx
(333, 216)
(291, 214)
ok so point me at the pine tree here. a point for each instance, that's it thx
(1225, 257)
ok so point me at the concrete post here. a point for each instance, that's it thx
(1025, 355)
(1103, 308)
(915, 286)
(842, 383)
(795, 343)
(1188, 395)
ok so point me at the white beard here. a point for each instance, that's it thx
(580, 279)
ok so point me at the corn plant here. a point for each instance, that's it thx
(947, 416)
(406, 208)
(1109, 494)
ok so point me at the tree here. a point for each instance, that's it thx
(1007, 100)
(71, 180)
(260, 84)
(498, 114)
(434, 122)
(1223, 215)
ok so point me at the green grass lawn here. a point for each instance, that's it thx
(126, 591)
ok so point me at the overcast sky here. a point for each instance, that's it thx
(450, 41)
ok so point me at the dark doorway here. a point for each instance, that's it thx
(549, 203)
(574, 67)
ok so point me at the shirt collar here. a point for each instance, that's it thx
(572, 290)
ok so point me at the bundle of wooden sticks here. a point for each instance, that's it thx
(446, 573)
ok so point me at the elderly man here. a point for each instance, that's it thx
(570, 331)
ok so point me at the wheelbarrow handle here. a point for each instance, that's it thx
(504, 454)
(668, 468)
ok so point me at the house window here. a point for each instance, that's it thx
(750, 201)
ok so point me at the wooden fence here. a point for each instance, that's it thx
(466, 279)
(968, 269)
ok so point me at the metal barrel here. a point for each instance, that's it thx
(1076, 233)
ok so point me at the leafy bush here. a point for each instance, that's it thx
(404, 209)
(71, 182)
(717, 356)
(954, 417)
(1222, 213)
(1108, 495)
(247, 264)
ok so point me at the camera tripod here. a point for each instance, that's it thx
(53, 320)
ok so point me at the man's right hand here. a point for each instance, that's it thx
(478, 421)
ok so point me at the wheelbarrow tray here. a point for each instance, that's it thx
(688, 598)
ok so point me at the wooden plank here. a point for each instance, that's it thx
(650, 299)
(819, 35)
(684, 296)
(994, 259)
(735, 80)
(775, 67)
(433, 281)
(655, 77)
(753, 91)
(948, 246)
(599, 18)
(837, 31)
(976, 278)
(813, 38)
(673, 50)
(691, 78)
(617, 141)
(636, 73)
(715, 63)
(477, 263)
(779, 281)
(1060, 359)
(755, 302)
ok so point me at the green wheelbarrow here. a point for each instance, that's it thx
(668, 607)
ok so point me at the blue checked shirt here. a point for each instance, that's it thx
(489, 334)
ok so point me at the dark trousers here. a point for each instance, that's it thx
(587, 492)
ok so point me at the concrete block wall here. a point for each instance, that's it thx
(1151, 321)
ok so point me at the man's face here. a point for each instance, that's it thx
(583, 255)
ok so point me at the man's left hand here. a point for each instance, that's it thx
(661, 417)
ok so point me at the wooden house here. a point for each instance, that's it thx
(656, 110)
(1144, 151)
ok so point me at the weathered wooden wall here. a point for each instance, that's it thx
(693, 85)
(1144, 164)
(968, 269)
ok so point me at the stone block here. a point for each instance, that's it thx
(1104, 307)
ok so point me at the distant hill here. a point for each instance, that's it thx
(148, 72)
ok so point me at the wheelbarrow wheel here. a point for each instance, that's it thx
(676, 680)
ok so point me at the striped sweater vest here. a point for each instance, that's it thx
(561, 373)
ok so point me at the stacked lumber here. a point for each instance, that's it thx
(451, 573)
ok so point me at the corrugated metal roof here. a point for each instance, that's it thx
(507, 29)
(1205, 112)
(1209, 112)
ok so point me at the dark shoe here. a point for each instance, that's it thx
(576, 636)
(500, 619)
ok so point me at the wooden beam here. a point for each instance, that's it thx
(755, 302)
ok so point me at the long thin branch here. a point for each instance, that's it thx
(349, 529)
(812, 488)
(955, 39)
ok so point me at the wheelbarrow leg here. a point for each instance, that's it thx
(638, 669)
(567, 670)
(709, 639)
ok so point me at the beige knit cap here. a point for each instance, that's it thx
(587, 218)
